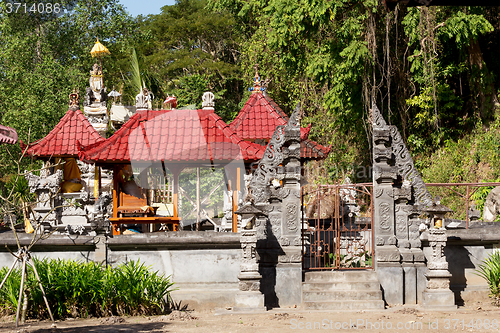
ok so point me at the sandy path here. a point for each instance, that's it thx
(475, 318)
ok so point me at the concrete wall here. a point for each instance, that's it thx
(203, 265)
(465, 250)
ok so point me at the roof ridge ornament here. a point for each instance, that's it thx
(74, 100)
(259, 85)
(208, 101)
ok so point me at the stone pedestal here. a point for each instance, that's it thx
(249, 298)
(391, 280)
(438, 295)
(97, 115)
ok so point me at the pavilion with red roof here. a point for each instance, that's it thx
(174, 140)
(260, 116)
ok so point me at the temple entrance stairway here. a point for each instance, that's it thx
(342, 290)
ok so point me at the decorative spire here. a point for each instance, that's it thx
(74, 100)
(258, 85)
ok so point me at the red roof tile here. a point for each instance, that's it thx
(312, 150)
(258, 120)
(173, 135)
(62, 140)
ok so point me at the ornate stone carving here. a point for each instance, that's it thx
(284, 241)
(385, 218)
(292, 217)
(382, 154)
(266, 169)
(208, 100)
(392, 240)
(406, 168)
(384, 172)
(381, 136)
(142, 99)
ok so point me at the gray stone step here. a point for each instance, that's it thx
(342, 290)
(345, 305)
(340, 276)
(340, 295)
(314, 286)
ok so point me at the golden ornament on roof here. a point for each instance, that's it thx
(99, 49)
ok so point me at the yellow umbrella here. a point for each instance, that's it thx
(99, 49)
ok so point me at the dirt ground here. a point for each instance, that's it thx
(476, 317)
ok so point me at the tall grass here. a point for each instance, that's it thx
(489, 269)
(78, 289)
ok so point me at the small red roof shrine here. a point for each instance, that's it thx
(174, 136)
(259, 118)
(62, 141)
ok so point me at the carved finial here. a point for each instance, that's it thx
(208, 100)
(74, 100)
(258, 85)
(142, 99)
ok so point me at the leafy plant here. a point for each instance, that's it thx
(83, 289)
(489, 269)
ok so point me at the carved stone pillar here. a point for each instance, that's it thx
(438, 295)
(388, 267)
(275, 186)
(289, 267)
(249, 297)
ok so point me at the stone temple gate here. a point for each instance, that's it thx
(399, 272)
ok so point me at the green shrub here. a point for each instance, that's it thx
(489, 269)
(83, 289)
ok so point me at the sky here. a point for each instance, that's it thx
(135, 7)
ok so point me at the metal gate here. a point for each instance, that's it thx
(338, 233)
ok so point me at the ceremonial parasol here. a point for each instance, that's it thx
(113, 93)
(97, 51)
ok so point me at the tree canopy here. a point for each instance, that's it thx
(431, 70)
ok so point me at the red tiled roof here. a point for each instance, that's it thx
(173, 135)
(62, 140)
(258, 120)
(312, 150)
(8, 135)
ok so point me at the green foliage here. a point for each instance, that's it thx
(135, 73)
(77, 289)
(489, 269)
(193, 50)
(43, 58)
